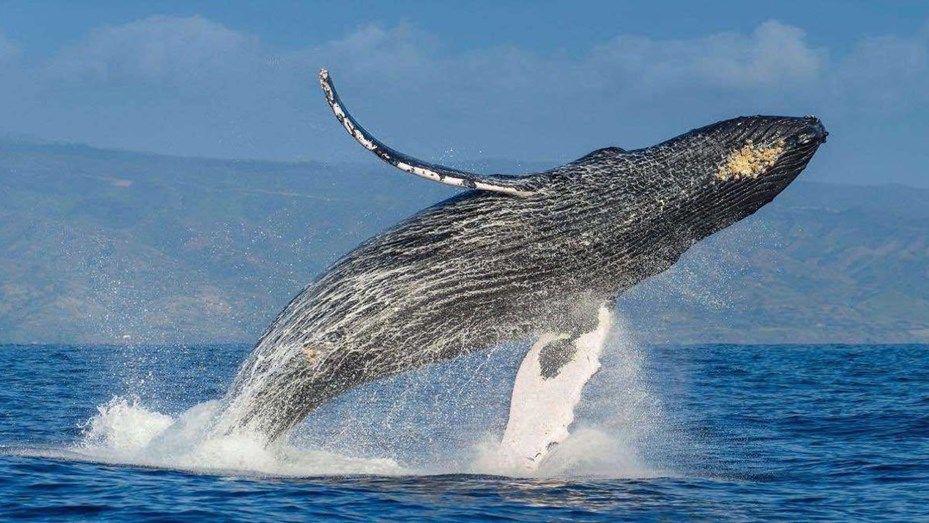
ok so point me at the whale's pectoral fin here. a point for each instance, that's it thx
(512, 185)
(547, 389)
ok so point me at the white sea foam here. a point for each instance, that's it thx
(125, 432)
(588, 452)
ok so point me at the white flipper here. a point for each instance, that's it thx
(542, 408)
(512, 185)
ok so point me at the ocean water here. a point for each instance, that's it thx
(664, 432)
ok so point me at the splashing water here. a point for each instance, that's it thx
(125, 432)
(443, 419)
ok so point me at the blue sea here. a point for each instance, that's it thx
(663, 433)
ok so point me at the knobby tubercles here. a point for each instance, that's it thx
(749, 161)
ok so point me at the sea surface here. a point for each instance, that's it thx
(663, 433)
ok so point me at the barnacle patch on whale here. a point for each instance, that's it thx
(749, 161)
(311, 351)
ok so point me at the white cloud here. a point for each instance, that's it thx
(885, 73)
(375, 49)
(773, 54)
(158, 49)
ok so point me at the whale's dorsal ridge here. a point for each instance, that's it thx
(511, 185)
(601, 154)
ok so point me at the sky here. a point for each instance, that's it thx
(460, 82)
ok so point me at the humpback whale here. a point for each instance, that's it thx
(514, 257)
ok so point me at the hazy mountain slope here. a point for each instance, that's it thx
(822, 263)
(97, 245)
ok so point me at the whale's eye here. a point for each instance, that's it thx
(749, 161)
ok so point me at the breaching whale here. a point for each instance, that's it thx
(514, 257)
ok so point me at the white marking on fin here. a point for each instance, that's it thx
(542, 409)
(409, 164)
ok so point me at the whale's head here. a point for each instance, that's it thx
(736, 166)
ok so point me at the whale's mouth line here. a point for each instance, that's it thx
(796, 157)
(796, 151)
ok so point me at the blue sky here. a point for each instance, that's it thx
(458, 82)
